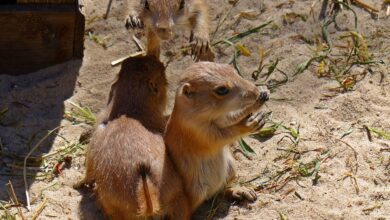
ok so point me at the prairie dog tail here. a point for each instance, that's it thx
(147, 193)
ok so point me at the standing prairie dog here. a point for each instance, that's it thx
(162, 17)
(126, 159)
(214, 107)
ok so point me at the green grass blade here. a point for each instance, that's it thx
(242, 35)
(246, 149)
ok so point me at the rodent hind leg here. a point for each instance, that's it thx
(81, 184)
(110, 210)
(87, 180)
(180, 210)
(237, 192)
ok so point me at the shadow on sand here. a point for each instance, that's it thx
(30, 106)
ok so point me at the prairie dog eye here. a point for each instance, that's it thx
(222, 90)
(147, 5)
(181, 4)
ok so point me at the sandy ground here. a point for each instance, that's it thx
(353, 180)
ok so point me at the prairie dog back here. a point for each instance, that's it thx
(126, 157)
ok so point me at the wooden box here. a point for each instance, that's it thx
(35, 34)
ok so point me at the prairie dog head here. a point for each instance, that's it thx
(215, 93)
(141, 84)
(163, 15)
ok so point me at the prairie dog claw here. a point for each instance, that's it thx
(256, 121)
(133, 21)
(200, 47)
(241, 193)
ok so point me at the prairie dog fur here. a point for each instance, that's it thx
(162, 17)
(126, 158)
(214, 107)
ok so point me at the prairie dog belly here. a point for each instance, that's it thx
(212, 174)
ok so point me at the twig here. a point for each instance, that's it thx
(15, 199)
(354, 170)
(354, 152)
(119, 61)
(105, 16)
(365, 6)
(25, 164)
(368, 132)
(40, 208)
(368, 210)
(311, 12)
(322, 13)
(6, 206)
(140, 46)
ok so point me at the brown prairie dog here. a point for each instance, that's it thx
(214, 107)
(126, 158)
(162, 17)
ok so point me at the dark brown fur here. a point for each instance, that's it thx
(126, 158)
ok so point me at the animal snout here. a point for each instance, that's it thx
(264, 95)
(164, 33)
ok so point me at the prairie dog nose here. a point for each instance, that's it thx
(164, 24)
(163, 30)
(264, 94)
(164, 33)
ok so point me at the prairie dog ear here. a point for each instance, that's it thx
(187, 90)
(153, 87)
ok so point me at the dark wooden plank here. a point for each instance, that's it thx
(3, 2)
(46, 1)
(79, 32)
(36, 37)
(37, 8)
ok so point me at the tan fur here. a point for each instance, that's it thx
(126, 157)
(203, 123)
(164, 16)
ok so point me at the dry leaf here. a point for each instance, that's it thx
(243, 50)
(249, 15)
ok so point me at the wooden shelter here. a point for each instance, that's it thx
(35, 34)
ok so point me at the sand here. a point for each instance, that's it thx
(353, 180)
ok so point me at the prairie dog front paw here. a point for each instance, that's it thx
(133, 21)
(200, 47)
(255, 122)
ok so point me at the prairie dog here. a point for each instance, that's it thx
(126, 158)
(214, 107)
(162, 17)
